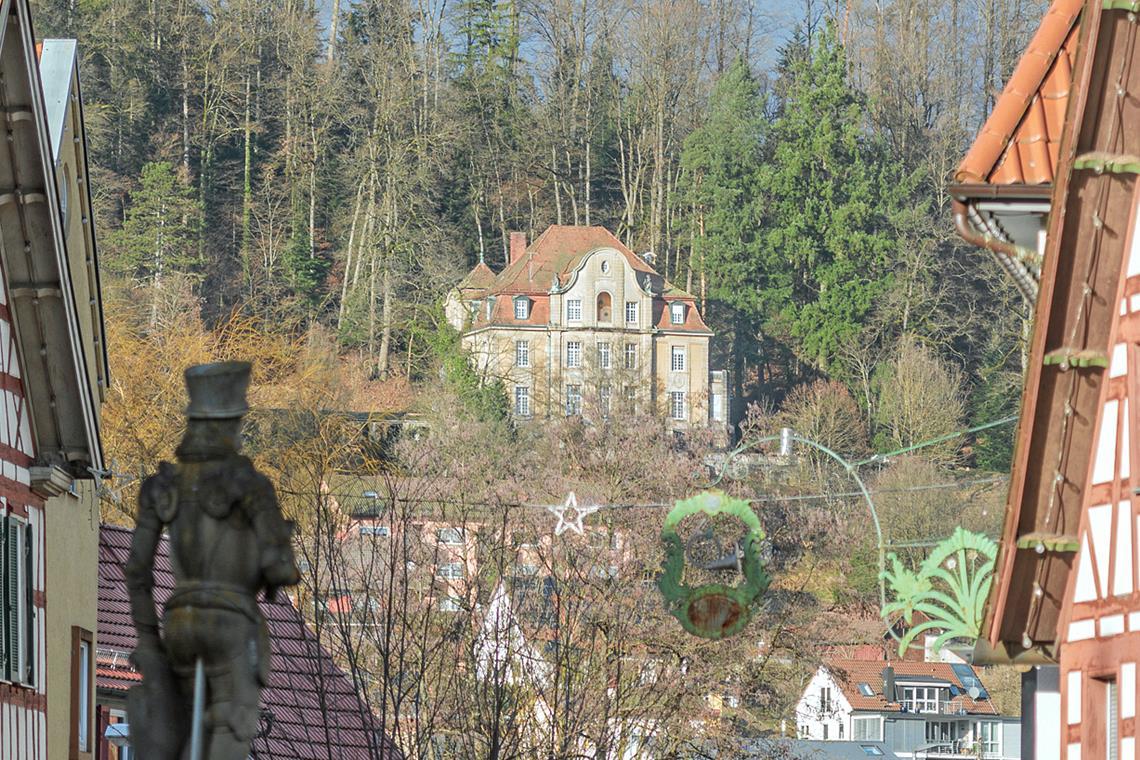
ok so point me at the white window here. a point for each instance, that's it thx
(631, 312)
(522, 308)
(867, 729)
(989, 736)
(383, 531)
(450, 536)
(920, 698)
(449, 604)
(522, 353)
(677, 313)
(604, 355)
(452, 570)
(677, 359)
(604, 400)
(630, 394)
(522, 401)
(825, 700)
(631, 356)
(718, 407)
(677, 412)
(573, 400)
(574, 353)
(574, 310)
(16, 545)
(81, 684)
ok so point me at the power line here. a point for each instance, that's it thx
(396, 498)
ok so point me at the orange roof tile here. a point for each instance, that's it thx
(1019, 142)
(478, 279)
(850, 673)
(693, 321)
(558, 251)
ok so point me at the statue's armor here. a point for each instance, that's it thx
(228, 540)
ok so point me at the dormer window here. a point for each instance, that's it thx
(522, 307)
(920, 699)
(677, 313)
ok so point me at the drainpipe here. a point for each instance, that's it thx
(1008, 254)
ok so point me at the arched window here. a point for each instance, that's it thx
(605, 308)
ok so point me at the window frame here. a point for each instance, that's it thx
(573, 354)
(676, 412)
(81, 745)
(573, 399)
(605, 397)
(913, 703)
(605, 360)
(876, 720)
(25, 614)
(522, 353)
(632, 313)
(573, 309)
(450, 530)
(631, 356)
(677, 313)
(522, 399)
(452, 571)
(522, 308)
(675, 353)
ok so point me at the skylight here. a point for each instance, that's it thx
(866, 690)
(870, 749)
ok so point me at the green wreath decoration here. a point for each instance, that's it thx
(712, 611)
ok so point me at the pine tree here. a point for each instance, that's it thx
(722, 163)
(159, 232)
(830, 196)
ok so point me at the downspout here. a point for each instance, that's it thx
(1015, 259)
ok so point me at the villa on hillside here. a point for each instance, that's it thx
(578, 324)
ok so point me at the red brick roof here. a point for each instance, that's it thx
(301, 669)
(559, 251)
(477, 280)
(1019, 143)
(850, 673)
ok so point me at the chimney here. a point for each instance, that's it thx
(889, 683)
(518, 246)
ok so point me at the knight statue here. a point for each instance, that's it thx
(228, 542)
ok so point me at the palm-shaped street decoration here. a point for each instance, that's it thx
(949, 588)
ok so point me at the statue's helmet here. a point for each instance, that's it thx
(217, 391)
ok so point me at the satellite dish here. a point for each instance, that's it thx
(974, 692)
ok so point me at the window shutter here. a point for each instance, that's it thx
(5, 583)
(12, 598)
(30, 597)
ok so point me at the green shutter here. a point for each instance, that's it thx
(5, 600)
(30, 598)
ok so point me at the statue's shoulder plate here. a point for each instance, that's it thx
(159, 492)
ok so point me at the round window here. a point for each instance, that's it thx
(605, 267)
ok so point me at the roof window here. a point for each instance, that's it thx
(871, 749)
(677, 313)
(866, 690)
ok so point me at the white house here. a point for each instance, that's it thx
(917, 709)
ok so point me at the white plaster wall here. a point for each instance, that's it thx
(808, 713)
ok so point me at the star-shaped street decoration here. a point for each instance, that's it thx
(578, 514)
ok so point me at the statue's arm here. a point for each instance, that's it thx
(140, 565)
(274, 537)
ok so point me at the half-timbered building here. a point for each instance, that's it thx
(1068, 589)
(53, 374)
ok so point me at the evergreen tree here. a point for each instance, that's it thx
(159, 232)
(830, 196)
(722, 162)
